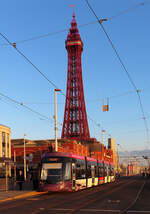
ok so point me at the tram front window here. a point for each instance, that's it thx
(51, 172)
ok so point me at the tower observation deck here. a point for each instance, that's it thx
(75, 124)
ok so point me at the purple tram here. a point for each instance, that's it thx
(62, 171)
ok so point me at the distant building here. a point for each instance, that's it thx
(5, 156)
(34, 150)
(111, 145)
(5, 144)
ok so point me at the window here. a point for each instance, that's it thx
(96, 170)
(51, 172)
(89, 170)
(80, 169)
(7, 145)
(67, 171)
(112, 171)
(92, 171)
(105, 170)
(101, 171)
(3, 144)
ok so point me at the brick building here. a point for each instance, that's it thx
(35, 148)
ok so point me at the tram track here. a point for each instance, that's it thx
(120, 197)
(82, 195)
(135, 199)
(82, 205)
(120, 211)
(70, 206)
(79, 197)
(53, 199)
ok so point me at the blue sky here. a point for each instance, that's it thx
(103, 75)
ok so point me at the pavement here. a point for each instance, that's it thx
(14, 192)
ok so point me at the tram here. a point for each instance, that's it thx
(66, 171)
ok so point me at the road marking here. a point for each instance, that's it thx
(94, 210)
(63, 209)
(113, 201)
(98, 210)
(87, 210)
(135, 211)
(42, 208)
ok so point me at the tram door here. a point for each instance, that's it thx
(93, 174)
(73, 176)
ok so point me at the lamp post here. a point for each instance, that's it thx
(102, 134)
(118, 158)
(14, 168)
(24, 144)
(55, 117)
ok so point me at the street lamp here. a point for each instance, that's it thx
(14, 168)
(118, 158)
(55, 117)
(102, 134)
(24, 143)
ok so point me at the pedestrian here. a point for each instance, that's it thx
(35, 179)
(20, 179)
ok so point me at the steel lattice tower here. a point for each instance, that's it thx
(75, 124)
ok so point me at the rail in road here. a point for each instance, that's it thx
(128, 195)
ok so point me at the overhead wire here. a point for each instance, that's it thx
(54, 33)
(82, 25)
(29, 61)
(124, 68)
(25, 106)
(8, 103)
(129, 9)
(90, 100)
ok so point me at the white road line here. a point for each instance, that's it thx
(135, 211)
(63, 209)
(87, 210)
(98, 210)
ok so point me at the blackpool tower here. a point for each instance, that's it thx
(75, 124)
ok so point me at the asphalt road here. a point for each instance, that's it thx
(127, 195)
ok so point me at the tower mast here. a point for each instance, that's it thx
(75, 124)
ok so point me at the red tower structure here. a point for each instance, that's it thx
(75, 124)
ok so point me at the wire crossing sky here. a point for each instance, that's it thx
(127, 25)
(125, 69)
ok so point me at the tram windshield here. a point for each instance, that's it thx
(51, 172)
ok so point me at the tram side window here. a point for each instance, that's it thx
(101, 171)
(112, 171)
(109, 170)
(89, 171)
(105, 171)
(83, 172)
(96, 171)
(80, 170)
(67, 171)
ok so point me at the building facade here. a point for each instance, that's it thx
(5, 157)
(111, 145)
(5, 142)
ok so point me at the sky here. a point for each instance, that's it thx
(103, 75)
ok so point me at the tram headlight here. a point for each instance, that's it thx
(61, 185)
